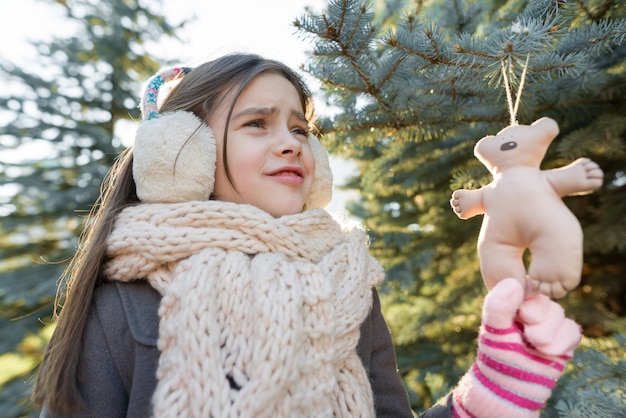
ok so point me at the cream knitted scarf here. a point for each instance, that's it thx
(259, 317)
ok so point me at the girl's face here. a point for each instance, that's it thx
(269, 157)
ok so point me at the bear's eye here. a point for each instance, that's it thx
(508, 146)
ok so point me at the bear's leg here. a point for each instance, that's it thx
(555, 265)
(500, 261)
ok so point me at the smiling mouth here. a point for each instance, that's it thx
(292, 176)
(287, 172)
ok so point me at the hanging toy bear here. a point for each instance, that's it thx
(523, 209)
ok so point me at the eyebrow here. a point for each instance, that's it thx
(268, 111)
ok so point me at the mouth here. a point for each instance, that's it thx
(287, 171)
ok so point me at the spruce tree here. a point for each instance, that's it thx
(413, 85)
(70, 101)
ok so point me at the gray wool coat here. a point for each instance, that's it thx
(118, 367)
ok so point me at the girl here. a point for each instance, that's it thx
(211, 283)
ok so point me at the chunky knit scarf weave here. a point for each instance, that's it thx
(259, 317)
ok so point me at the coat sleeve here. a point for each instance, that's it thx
(378, 354)
(128, 313)
(101, 386)
(117, 371)
(442, 409)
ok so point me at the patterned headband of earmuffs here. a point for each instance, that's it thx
(174, 155)
(149, 101)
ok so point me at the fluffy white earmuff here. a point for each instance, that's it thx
(322, 188)
(174, 159)
(174, 153)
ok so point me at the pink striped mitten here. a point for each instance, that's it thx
(523, 346)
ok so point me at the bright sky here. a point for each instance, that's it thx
(263, 27)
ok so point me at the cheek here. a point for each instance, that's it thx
(309, 165)
(245, 162)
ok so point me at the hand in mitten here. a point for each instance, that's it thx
(523, 346)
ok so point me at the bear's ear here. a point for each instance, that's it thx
(547, 127)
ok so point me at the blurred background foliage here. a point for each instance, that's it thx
(60, 134)
(410, 87)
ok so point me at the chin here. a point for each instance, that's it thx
(284, 210)
(278, 214)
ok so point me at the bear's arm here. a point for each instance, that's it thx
(467, 203)
(580, 177)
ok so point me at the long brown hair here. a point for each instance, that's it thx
(200, 92)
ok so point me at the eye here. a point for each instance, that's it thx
(256, 123)
(301, 131)
(508, 146)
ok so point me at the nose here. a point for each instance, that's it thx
(288, 144)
